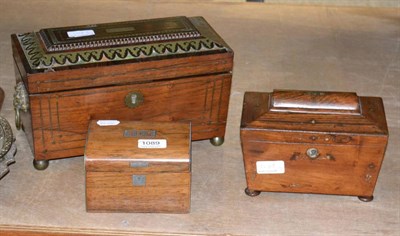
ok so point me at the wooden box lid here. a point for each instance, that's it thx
(69, 58)
(138, 146)
(116, 43)
(316, 111)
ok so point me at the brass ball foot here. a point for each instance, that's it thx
(251, 193)
(217, 141)
(40, 164)
(366, 198)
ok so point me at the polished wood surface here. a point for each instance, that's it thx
(113, 192)
(193, 87)
(350, 147)
(60, 120)
(108, 149)
(259, 113)
(298, 101)
(113, 159)
(146, 71)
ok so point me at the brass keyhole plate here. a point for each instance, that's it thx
(133, 99)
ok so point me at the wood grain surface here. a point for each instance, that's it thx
(60, 120)
(350, 147)
(326, 102)
(149, 71)
(193, 87)
(113, 192)
(113, 159)
(108, 149)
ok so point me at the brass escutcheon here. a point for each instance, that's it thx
(133, 99)
(312, 153)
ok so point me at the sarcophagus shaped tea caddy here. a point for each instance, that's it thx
(313, 142)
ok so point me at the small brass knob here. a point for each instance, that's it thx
(312, 153)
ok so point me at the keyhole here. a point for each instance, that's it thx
(312, 153)
(133, 98)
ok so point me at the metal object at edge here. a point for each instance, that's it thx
(7, 147)
(139, 164)
(139, 180)
(21, 103)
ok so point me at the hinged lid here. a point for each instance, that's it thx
(54, 48)
(138, 146)
(290, 110)
(315, 102)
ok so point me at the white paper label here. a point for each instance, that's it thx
(80, 33)
(270, 167)
(107, 122)
(152, 143)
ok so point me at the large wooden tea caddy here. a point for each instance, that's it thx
(169, 69)
(313, 142)
(136, 166)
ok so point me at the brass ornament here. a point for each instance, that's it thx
(21, 103)
(39, 59)
(252, 193)
(40, 164)
(134, 99)
(217, 141)
(133, 40)
(312, 153)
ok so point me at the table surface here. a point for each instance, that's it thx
(276, 47)
(1, 97)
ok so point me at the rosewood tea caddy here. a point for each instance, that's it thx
(313, 142)
(168, 69)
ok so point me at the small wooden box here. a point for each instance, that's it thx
(138, 166)
(313, 142)
(167, 69)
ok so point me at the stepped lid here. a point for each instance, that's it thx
(291, 110)
(118, 42)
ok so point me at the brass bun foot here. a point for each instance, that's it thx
(251, 193)
(40, 164)
(366, 198)
(217, 141)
